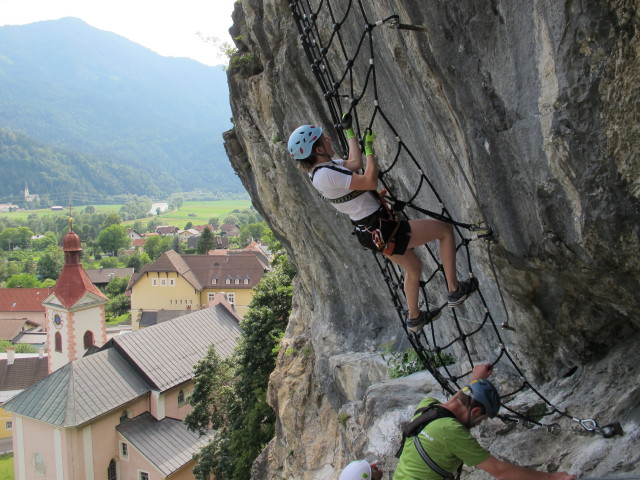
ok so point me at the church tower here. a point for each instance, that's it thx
(74, 310)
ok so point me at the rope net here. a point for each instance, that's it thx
(354, 90)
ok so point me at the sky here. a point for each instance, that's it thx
(168, 27)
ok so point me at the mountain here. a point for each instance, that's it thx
(122, 108)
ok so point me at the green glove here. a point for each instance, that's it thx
(346, 125)
(368, 142)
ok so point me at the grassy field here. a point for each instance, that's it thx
(47, 211)
(6, 467)
(203, 211)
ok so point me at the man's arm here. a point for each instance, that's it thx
(508, 471)
(482, 371)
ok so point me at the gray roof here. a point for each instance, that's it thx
(80, 391)
(167, 352)
(22, 373)
(167, 443)
(105, 275)
(128, 366)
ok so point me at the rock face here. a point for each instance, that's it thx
(524, 113)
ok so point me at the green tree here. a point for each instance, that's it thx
(117, 286)
(232, 219)
(19, 348)
(251, 231)
(90, 209)
(109, 262)
(206, 242)
(156, 245)
(11, 238)
(112, 238)
(188, 225)
(48, 240)
(176, 246)
(50, 263)
(24, 280)
(138, 226)
(118, 305)
(244, 421)
(112, 219)
(137, 261)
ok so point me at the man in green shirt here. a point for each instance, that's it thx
(448, 442)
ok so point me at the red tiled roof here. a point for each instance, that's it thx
(73, 284)
(23, 299)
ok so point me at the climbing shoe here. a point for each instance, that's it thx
(416, 324)
(465, 289)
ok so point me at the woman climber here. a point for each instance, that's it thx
(375, 226)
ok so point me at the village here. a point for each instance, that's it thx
(98, 398)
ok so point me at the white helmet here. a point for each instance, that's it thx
(356, 470)
(302, 139)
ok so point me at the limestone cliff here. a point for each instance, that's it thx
(537, 103)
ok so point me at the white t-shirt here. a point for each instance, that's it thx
(335, 184)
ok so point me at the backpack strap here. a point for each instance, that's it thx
(427, 415)
(333, 167)
(345, 198)
(429, 461)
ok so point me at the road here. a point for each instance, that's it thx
(6, 445)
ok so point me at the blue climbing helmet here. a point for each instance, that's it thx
(485, 394)
(356, 470)
(302, 139)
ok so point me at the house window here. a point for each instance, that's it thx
(210, 297)
(172, 282)
(125, 415)
(237, 281)
(228, 281)
(8, 425)
(246, 281)
(88, 339)
(231, 298)
(214, 281)
(181, 398)
(39, 464)
(163, 282)
(154, 282)
(143, 475)
(124, 450)
(111, 471)
(58, 342)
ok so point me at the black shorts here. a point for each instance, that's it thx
(381, 233)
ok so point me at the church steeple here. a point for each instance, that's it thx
(75, 309)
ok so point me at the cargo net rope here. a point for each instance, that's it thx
(319, 25)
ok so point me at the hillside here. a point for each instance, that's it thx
(113, 102)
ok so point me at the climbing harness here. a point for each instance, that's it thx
(319, 24)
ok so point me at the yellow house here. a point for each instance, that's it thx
(175, 283)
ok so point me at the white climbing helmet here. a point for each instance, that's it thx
(356, 470)
(302, 139)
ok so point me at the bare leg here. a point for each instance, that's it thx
(412, 267)
(425, 231)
